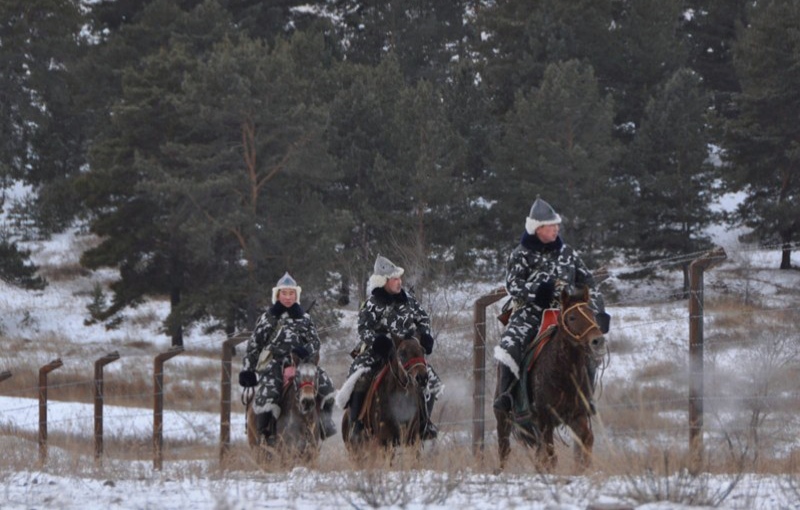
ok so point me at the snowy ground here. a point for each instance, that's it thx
(649, 328)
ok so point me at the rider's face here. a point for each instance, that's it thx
(547, 233)
(287, 297)
(393, 285)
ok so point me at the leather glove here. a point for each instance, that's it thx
(427, 343)
(247, 379)
(382, 346)
(544, 294)
(603, 321)
(301, 352)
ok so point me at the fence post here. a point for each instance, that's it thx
(696, 370)
(43, 371)
(158, 404)
(228, 348)
(5, 374)
(479, 368)
(98, 402)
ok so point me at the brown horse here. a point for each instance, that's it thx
(558, 388)
(394, 404)
(297, 432)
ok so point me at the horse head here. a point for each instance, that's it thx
(578, 322)
(411, 356)
(305, 384)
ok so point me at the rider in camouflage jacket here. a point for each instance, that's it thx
(389, 310)
(284, 329)
(538, 269)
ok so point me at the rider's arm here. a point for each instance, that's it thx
(311, 337)
(523, 280)
(368, 323)
(257, 341)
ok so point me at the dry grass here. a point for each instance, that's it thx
(641, 429)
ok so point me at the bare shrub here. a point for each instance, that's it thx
(386, 487)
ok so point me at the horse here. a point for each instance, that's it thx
(556, 384)
(297, 431)
(394, 405)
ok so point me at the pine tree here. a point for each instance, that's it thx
(558, 144)
(670, 203)
(762, 139)
(141, 228)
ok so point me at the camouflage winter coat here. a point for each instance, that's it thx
(533, 263)
(279, 330)
(387, 314)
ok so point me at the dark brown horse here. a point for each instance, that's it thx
(297, 434)
(557, 385)
(394, 404)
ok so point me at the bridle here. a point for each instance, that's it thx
(582, 309)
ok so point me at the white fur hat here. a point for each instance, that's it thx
(286, 282)
(541, 214)
(383, 270)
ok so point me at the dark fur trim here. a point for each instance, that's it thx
(533, 243)
(277, 309)
(384, 298)
(296, 311)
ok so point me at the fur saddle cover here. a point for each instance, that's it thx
(522, 412)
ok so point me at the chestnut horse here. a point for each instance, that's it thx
(297, 431)
(394, 404)
(557, 386)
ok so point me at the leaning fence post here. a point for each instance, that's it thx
(479, 367)
(98, 401)
(43, 371)
(225, 392)
(158, 403)
(696, 375)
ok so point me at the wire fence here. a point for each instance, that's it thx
(458, 373)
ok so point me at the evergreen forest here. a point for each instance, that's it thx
(212, 145)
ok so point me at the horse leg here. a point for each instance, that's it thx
(546, 450)
(503, 434)
(582, 427)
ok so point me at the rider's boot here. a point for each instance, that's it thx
(505, 401)
(265, 423)
(356, 401)
(428, 429)
(326, 417)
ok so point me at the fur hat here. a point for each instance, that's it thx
(541, 214)
(286, 282)
(383, 270)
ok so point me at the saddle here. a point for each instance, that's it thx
(522, 412)
(373, 388)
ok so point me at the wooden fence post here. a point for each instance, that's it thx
(158, 404)
(98, 402)
(479, 368)
(43, 371)
(228, 348)
(696, 371)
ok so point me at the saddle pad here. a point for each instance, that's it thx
(549, 318)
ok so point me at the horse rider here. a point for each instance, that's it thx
(284, 329)
(389, 310)
(538, 269)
